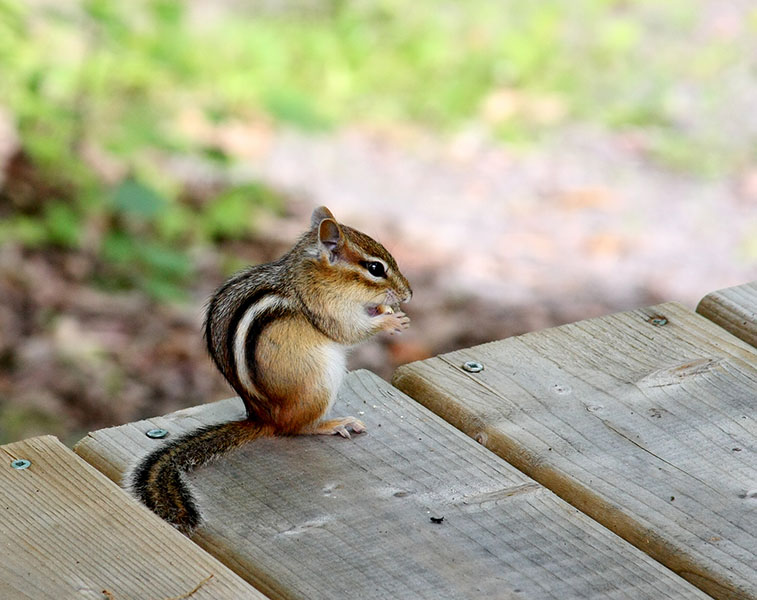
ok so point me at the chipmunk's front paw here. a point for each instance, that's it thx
(394, 322)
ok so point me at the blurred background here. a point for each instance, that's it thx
(527, 163)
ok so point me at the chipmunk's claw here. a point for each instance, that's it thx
(342, 430)
(340, 426)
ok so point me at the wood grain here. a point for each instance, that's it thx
(68, 532)
(323, 517)
(644, 420)
(734, 309)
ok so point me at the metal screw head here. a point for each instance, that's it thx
(658, 320)
(473, 367)
(156, 434)
(21, 464)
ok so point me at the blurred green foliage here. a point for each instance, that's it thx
(118, 74)
(112, 74)
(18, 422)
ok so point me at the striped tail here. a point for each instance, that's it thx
(158, 479)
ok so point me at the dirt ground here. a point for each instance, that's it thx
(495, 243)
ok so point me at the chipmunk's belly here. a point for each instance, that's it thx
(334, 360)
(297, 364)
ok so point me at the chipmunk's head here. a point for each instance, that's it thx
(363, 268)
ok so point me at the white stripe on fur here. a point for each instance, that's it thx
(240, 337)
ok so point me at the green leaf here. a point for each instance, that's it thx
(118, 247)
(167, 12)
(164, 260)
(22, 228)
(136, 262)
(164, 291)
(297, 109)
(232, 214)
(134, 198)
(228, 216)
(63, 224)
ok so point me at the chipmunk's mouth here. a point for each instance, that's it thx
(387, 303)
(375, 310)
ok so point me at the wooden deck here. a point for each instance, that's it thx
(69, 532)
(607, 459)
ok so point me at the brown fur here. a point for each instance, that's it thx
(303, 310)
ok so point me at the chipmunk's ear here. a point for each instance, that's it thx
(319, 214)
(330, 237)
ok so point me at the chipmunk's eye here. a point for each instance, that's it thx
(375, 268)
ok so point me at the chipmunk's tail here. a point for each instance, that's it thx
(158, 479)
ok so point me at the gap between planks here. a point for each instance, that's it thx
(645, 427)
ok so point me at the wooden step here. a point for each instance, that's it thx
(734, 309)
(69, 532)
(645, 420)
(410, 509)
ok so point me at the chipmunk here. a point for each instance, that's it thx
(279, 333)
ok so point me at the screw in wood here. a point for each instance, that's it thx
(20, 464)
(658, 320)
(156, 434)
(473, 367)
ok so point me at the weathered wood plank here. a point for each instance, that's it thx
(734, 309)
(323, 517)
(644, 420)
(68, 532)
